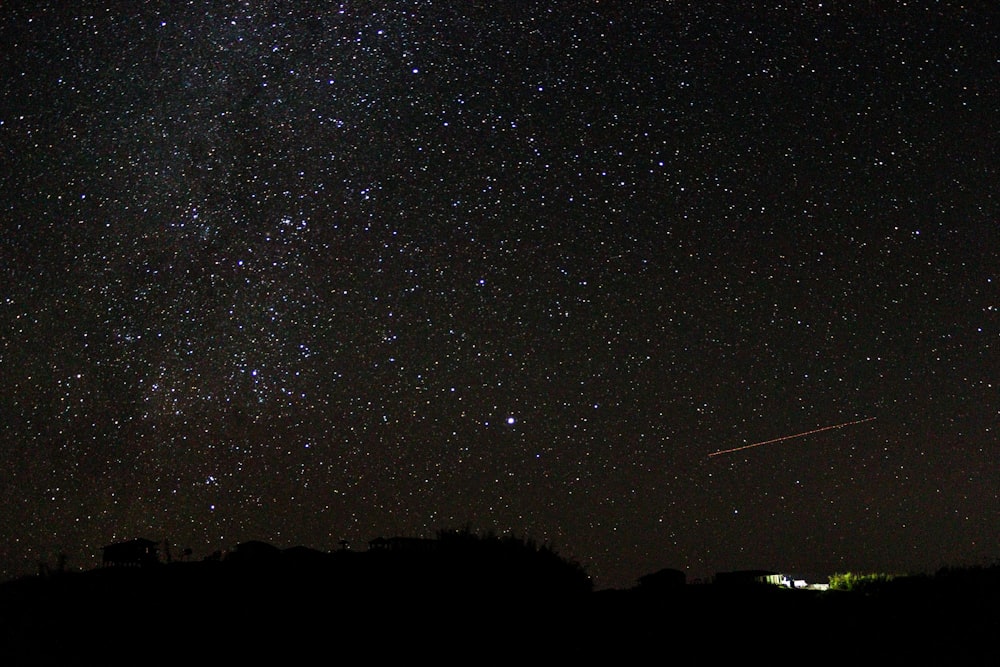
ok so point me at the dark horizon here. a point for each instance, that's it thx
(169, 553)
(463, 594)
(315, 271)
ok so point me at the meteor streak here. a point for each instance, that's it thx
(794, 435)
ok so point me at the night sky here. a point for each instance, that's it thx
(305, 271)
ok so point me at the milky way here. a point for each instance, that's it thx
(312, 271)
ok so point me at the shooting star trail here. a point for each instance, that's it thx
(789, 437)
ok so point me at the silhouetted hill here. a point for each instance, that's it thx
(457, 591)
(462, 599)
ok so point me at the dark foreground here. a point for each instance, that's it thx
(200, 613)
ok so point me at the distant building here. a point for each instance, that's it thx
(742, 577)
(134, 553)
(791, 582)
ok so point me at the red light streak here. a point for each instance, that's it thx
(789, 437)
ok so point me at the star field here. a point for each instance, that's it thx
(312, 271)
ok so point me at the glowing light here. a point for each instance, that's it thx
(789, 437)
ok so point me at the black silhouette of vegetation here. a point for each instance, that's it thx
(463, 597)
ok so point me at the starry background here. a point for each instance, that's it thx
(310, 271)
